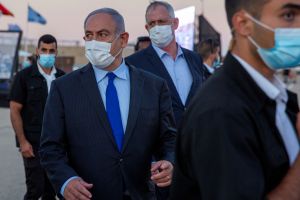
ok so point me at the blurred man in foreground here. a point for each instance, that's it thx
(238, 140)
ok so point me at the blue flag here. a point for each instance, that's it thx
(34, 16)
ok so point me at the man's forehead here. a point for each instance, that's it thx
(47, 45)
(100, 21)
(158, 11)
(100, 18)
(282, 4)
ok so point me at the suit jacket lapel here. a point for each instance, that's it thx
(292, 109)
(162, 71)
(136, 92)
(196, 77)
(90, 86)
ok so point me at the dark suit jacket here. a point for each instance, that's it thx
(77, 139)
(148, 60)
(206, 73)
(229, 146)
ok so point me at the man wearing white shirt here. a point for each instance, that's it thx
(27, 101)
(48, 77)
(238, 139)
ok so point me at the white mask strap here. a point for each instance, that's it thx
(259, 22)
(253, 42)
(118, 53)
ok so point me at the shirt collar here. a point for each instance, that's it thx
(274, 89)
(161, 53)
(121, 72)
(210, 69)
(53, 70)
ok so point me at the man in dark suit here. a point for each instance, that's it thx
(181, 68)
(27, 102)
(209, 50)
(104, 122)
(238, 140)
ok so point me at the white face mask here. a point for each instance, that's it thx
(98, 53)
(161, 36)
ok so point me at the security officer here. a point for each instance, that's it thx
(27, 101)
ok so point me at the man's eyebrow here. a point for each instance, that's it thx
(98, 31)
(291, 6)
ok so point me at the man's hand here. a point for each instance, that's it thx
(77, 189)
(26, 149)
(161, 172)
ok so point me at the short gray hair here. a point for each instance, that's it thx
(155, 4)
(117, 17)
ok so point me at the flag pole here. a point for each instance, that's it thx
(27, 29)
(202, 7)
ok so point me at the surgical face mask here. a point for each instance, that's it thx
(217, 63)
(47, 60)
(161, 36)
(26, 63)
(98, 53)
(286, 52)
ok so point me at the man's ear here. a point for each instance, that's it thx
(242, 25)
(36, 52)
(124, 37)
(175, 23)
(147, 27)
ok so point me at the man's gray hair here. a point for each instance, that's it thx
(154, 4)
(117, 17)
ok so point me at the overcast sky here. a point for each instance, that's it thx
(65, 17)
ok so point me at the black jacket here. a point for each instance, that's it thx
(229, 146)
(30, 89)
(206, 73)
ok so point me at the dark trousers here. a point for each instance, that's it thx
(162, 193)
(37, 182)
(126, 197)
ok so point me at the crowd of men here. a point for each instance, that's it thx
(165, 122)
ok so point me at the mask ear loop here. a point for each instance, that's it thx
(253, 42)
(118, 52)
(120, 48)
(259, 23)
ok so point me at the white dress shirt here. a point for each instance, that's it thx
(276, 91)
(49, 77)
(122, 84)
(179, 71)
(210, 69)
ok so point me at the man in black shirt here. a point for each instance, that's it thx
(27, 101)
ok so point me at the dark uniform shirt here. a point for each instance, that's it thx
(30, 90)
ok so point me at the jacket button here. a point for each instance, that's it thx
(121, 160)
